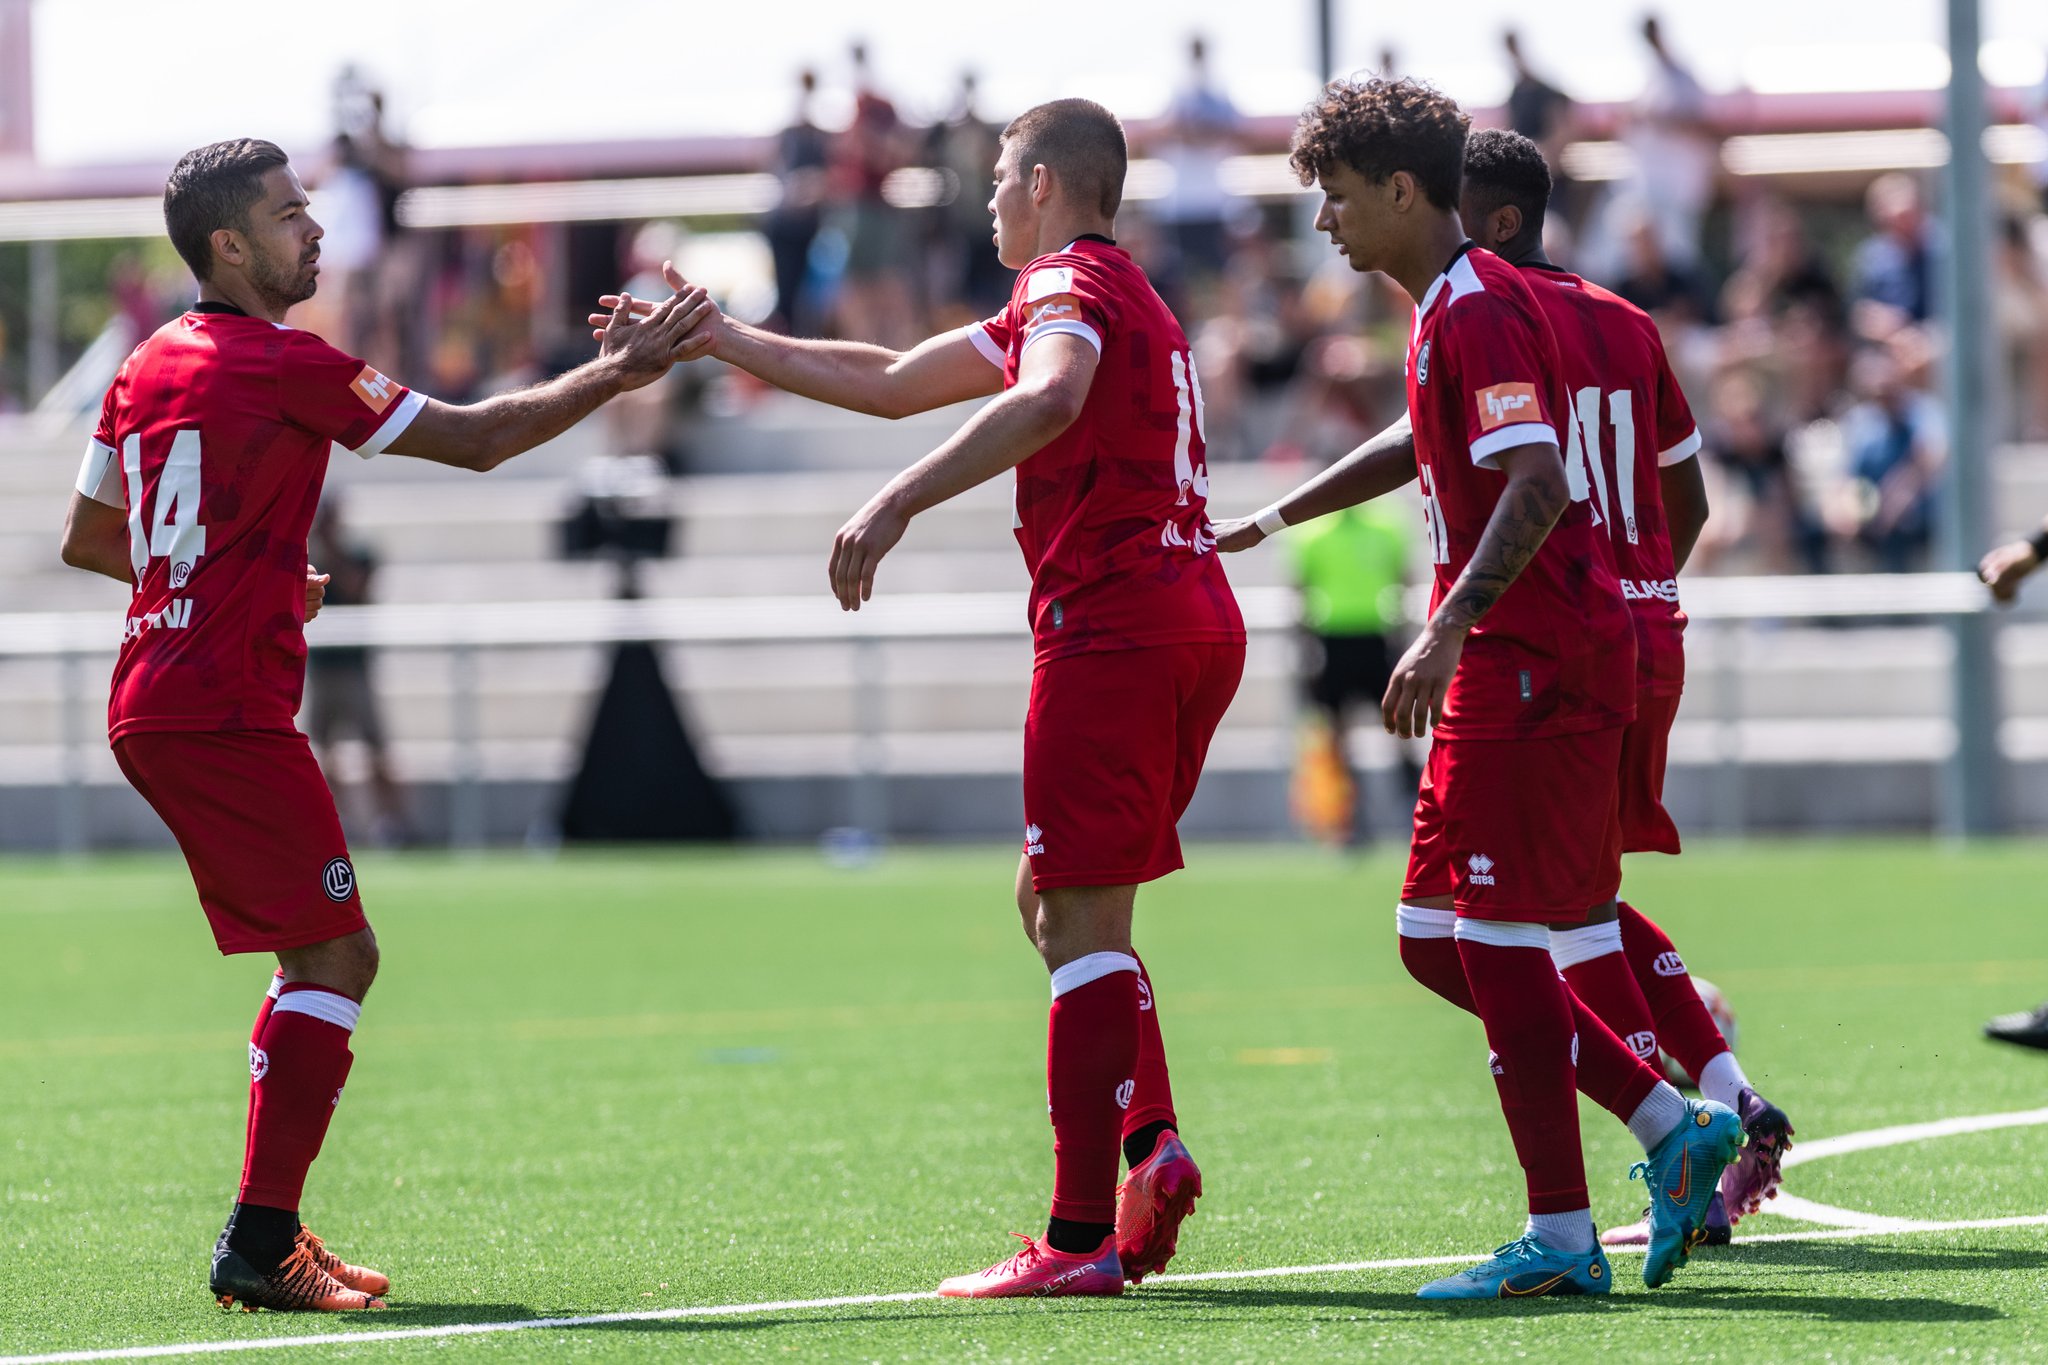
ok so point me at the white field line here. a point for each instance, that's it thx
(1864, 1225)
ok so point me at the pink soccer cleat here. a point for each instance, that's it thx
(1041, 1272)
(1756, 1172)
(1158, 1193)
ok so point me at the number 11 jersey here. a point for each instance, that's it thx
(215, 436)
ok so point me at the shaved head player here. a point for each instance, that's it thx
(198, 490)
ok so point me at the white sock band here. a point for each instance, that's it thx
(1093, 967)
(1270, 522)
(1657, 1116)
(1571, 1231)
(1499, 933)
(1418, 921)
(1570, 947)
(276, 986)
(1721, 1079)
(338, 1010)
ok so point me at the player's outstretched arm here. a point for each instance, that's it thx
(1535, 497)
(634, 351)
(2005, 568)
(96, 538)
(947, 368)
(1684, 489)
(1384, 463)
(1052, 385)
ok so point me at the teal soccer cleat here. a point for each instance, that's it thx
(1525, 1269)
(1683, 1174)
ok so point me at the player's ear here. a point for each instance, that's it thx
(228, 245)
(1402, 191)
(1041, 183)
(1506, 224)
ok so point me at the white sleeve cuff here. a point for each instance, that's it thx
(1683, 451)
(409, 407)
(1508, 437)
(99, 477)
(986, 344)
(1072, 327)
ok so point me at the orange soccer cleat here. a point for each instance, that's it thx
(1158, 1193)
(1040, 1271)
(298, 1285)
(360, 1278)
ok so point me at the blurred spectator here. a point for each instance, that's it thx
(1760, 524)
(1202, 130)
(1777, 268)
(802, 151)
(1895, 266)
(1536, 109)
(875, 300)
(965, 273)
(1250, 349)
(1677, 150)
(2019, 304)
(341, 701)
(1351, 567)
(1897, 443)
(1670, 290)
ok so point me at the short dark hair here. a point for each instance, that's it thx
(214, 187)
(1380, 125)
(1080, 142)
(1503, 167)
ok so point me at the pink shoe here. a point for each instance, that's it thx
(1039, 1271)
(1756, 1172)
(1158, 1193)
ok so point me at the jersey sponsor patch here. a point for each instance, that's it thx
(374, 389)
(1504, 403)
(1057, 308)
(1046, 282)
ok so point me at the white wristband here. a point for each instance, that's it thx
(1270, 522)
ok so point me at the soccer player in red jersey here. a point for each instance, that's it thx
(1650, 503)
(1525, 672)
(198, 489)
(1138, 639)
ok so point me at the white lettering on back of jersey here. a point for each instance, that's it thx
(175, 614)
(1433, 519)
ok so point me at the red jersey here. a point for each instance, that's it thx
(215, 437)
(1629, 419)
(1556, 654)
(1113, 514)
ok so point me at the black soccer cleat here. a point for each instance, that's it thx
(2028, 1028)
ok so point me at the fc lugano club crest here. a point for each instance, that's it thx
(338, 880)
(1422, 364)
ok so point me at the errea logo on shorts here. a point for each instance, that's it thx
(1504, 403)
(1481, 868)
(1034, 841)
(338, 880)
(1668, 964)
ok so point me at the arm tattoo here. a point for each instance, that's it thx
(1527, 509)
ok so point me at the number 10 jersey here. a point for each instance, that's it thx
(214, 437)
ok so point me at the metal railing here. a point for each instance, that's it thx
(462, 630)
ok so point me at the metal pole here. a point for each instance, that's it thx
(465, 797)
(71, 831)
(1973, 781)
(43, 306)
(1326, 40)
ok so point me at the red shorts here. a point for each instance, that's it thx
(1113, 746)
(1646, 827)
(1519, 829)
(259, 830)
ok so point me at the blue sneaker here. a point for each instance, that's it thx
(1525, 1269)
(1684, 1174)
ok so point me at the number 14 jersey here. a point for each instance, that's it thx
(214, 437)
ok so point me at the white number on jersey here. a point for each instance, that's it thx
(1583, 461)
(175, 533)
(1433, 519)
(1189, 477)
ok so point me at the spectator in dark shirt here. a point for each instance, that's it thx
(801, 152)
(1895, 266)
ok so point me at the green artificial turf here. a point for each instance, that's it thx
(622, 1081)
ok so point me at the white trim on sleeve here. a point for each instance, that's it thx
(986, 344)
(99, 476)
(1508, 437)
(1681, 452)
(412, 405)
(1072, 327)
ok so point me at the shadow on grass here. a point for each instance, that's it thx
(1712, 1299)
(1851, 1258)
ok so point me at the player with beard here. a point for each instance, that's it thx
(198, 490)
(1525, 672)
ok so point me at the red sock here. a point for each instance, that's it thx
(257, 1061)
(1684, 1027)
(1609, 1073)
(298, 1067)
(1436, 964)
(1528, 1016)
(1152, 1094)
(1091, 1053)
(1598, 972)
